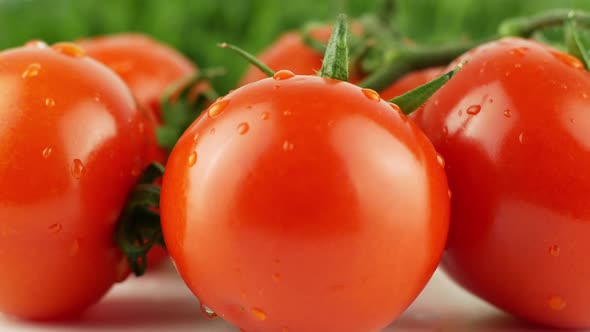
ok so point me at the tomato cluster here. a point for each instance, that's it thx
(297, 193)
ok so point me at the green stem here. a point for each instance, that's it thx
(526, 26)
(252, 59)
(335, 63)
(413, 99)
(404, 60)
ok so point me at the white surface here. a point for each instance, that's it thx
(161, 302)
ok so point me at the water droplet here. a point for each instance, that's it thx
(572, 120)
(450, 193)
(208, 313)
(507, 73)
(556, 302)
(518, 51)
(195, 137)
(78, 169)
(219, 99)
(75, 248)
(491, 100)
(445, 131)
(584, 95)
(371, 94)
(288, 146)
(141, 127)
(276, 277)
(277, 261)
(287, 113)
(49, 102)
(517, 65)
(69, 49)
(276, 87)
(473, 109)
(32, 70)
(440, 160)
(568, 59)
(36, 43)
(436, 102)
(554, 250)
(217, 108)
(192, 158)
(135, 171)
(212, 131)
(395, 107)
(507, 113)
(47, 152)
(258, 313)
(265, 116)
(521, 138)
(283, 75)
(55, 228)
(460, 112)
(243, 128)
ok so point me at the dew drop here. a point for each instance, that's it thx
(283, 75)
(208, 313)
(517, 51)
(473, 109)
(55, 228)
(69, 49)
(568, 59)
(395, 107)
(78, 169)
(445, 131)
(36, 43)
(287, 113)
(521, 138)
(572, 120)
(217, 108)
(47, 152)
(195, 137)
(258, 313)
(554, 250)
(276, 87)
(32, 70)
(507, 113)
(556, 302)
(371, 94)
(276, 277)
(440, 160)
(212, 131)
(265, 116)
(288, 146)
(517, 65)
(491, 100)
(243, 128)
(192, 158)
(49, 102)
(450, 193)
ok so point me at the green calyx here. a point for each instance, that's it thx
(335, 64)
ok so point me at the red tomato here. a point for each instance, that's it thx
(300, 197)
(290, 52)
(72, 149)
(514, 129)
(147, 66)
(411, 81)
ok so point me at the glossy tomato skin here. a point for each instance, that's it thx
(71, 151)
(411, 81)
(513, 126)
(290, 52)
(305, 204)
(147, 66)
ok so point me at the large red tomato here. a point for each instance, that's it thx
(305, 204)
(514, 129)
(72, 149)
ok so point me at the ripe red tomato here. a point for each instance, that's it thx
(72, 149)
(514, 128)
(290, 52)
(147, 66)
(299, 197)
(410, 81)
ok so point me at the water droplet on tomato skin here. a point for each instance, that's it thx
(36, 43)
(217, 108)
(287, 113)
(554, 250)
(371, 94)
(49, 102)
(556, 302)
(276, 277)
(195, 137)
(47, 152)
(212, 131)
(258, 313)
(265, 116)
(450, 193)
(507, 113)
(473, 109)
(69, 49)
(208, 313)
(243, 128)
(78, 169)
(440, 160)
(568, 59)
(288, 146)
(395, 107)
(283, 75)
(521, 138)
(519, 51)
(192, 159)
(55, 228)
(32, 70)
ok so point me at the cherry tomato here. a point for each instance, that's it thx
(305, 204)
(147, 66)
(72, 149)
(290, 52)
(514, 128)
(410, 81)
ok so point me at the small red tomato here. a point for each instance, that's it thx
(72, 149)
(411, 81)
(514, 129)
(290, 52)
(299, 197)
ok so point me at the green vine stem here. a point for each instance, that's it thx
(250, 58)
(335, 64)
(526, 26)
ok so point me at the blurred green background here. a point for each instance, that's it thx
(196, 26)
